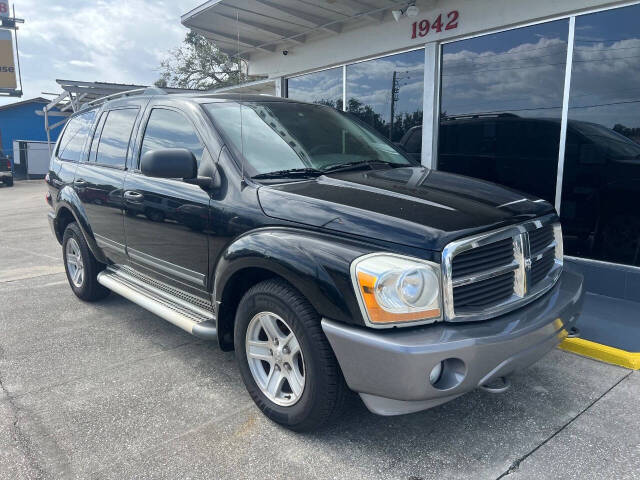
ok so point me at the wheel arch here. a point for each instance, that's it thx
(69, 209)
(315, 266)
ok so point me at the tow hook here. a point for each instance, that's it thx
(497, 385)
(574, 332)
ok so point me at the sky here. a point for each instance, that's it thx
(105, 40)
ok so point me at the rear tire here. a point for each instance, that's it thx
(323, 391)
(8, 181)
(81, 266)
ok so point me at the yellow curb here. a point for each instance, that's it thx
(602, 352)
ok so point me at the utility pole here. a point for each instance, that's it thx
(394, 99)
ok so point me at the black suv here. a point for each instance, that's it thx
(6, 172)
(325, 256)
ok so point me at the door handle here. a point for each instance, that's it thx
(133, 196)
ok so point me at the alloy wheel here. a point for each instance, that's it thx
(275, 358)
(75, 265)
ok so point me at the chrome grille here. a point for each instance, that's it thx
(495, 272)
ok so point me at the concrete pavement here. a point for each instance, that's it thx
(108, 390)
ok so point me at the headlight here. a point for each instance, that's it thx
(393, 289)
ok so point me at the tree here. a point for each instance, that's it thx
(199, 64)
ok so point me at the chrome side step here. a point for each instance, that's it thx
(189, 317)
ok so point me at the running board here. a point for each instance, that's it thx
(191, 318)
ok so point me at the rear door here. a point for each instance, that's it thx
(99, 179)
(166, 219)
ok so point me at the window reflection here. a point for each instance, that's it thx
(601, 180)
(114, 140)
(501, 106)
(170, 129)
(324, 87)
(387, 94)
(74, 136)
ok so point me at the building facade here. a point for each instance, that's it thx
(19, 122)
(543, 97)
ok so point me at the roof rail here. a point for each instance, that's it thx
(472, 116)
(113, 96)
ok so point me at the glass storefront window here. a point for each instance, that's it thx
(501, 105)
(387, 93)
(601, 179)
(324, 87)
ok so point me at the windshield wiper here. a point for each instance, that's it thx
(291, 172)
(342, 167)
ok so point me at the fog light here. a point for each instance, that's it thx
(434, 376)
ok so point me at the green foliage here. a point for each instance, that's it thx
(199, 64)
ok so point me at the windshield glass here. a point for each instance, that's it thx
(614, 144)
(276, 136)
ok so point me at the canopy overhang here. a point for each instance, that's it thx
(244, 27)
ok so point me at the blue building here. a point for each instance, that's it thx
(19, 121)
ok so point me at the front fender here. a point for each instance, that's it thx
(67, 198)
(316, 264)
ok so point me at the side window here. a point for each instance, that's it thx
(93, 150)
(114, 140)
(74, 136)
(170, 129)
(414, 142)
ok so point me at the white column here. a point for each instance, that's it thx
(431, 105)
(565, 112)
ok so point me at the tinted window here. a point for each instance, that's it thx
(387, 92)
(170, 129)
(114, 139)
(281, 135)
(501, 105)
(93, 150)
(601, 180)
(323, 87)
(74, 136)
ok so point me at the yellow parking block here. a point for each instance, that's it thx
(602, 352)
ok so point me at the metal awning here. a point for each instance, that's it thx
(243, 27)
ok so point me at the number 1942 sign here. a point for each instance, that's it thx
(438, 24)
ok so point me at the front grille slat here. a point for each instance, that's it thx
(541, 267)
(485, 292)
(540, 238)
(479, 286)
(481, 259)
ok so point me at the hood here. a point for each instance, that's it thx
(413, 206)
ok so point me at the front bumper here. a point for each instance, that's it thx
(390, 369)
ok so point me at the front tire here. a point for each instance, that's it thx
(81, 266)
(285, 359)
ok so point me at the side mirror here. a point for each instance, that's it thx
(169, 163)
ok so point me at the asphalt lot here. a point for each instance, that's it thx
(107, 390)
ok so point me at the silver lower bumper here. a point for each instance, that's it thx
(390, 369)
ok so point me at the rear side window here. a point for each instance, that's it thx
(74, 136)
(114, 139)
(170, 129)
(414, 142)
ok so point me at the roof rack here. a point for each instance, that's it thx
(471, 116)
(78, 95)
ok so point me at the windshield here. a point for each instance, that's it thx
(283, 136)
(614, 144)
